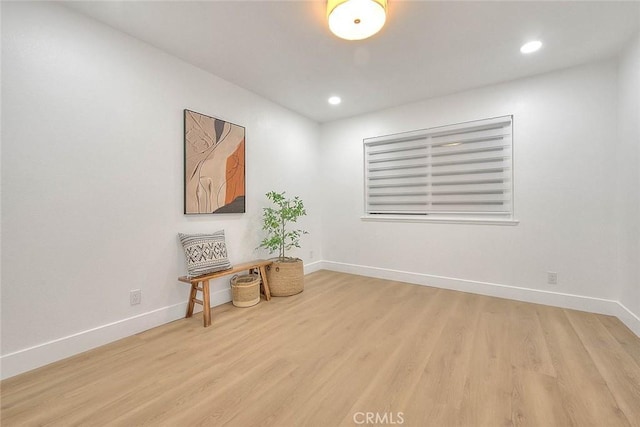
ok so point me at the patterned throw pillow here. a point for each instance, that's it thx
(205, 253)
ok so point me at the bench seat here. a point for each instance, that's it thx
(201, 283)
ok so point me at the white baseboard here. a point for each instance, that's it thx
(629, 318)
(556, 299)
(48, 352)
(312, 267)
(24, 360)
(42, 354)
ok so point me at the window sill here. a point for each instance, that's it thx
(402, 218)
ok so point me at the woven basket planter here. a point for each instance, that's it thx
(245, 290)
(286, 278)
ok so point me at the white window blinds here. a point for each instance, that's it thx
(463, 169)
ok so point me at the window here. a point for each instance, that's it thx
(462, 171)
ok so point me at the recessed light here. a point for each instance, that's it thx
(531, 46)
(335, 100)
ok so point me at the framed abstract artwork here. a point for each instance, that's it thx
(214, 165)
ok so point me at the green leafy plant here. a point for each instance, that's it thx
(277, 220)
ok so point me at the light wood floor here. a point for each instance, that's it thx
(346, 346)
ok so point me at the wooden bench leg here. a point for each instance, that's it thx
(192, 299)
(206, 307)
(265, 283)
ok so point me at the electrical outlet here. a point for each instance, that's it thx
(310, 254)
(552, 278)
(135, 296)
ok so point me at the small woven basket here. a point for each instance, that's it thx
(245, 290)
(286, 278)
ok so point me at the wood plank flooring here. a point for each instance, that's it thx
(349, 350)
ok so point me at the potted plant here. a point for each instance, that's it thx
(286, 274)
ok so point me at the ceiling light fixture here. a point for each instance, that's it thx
(531, 47)
(334, 100)
(356, 19)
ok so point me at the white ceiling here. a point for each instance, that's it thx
(283, 50)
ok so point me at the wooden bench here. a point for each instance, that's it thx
(201, 283)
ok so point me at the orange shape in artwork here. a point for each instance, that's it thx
(235, 174)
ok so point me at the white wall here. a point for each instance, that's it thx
(565, 175)
(628, 152)
(92, 181)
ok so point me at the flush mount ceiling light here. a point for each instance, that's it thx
(334, 100)
(531, 46)
(356, 19)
